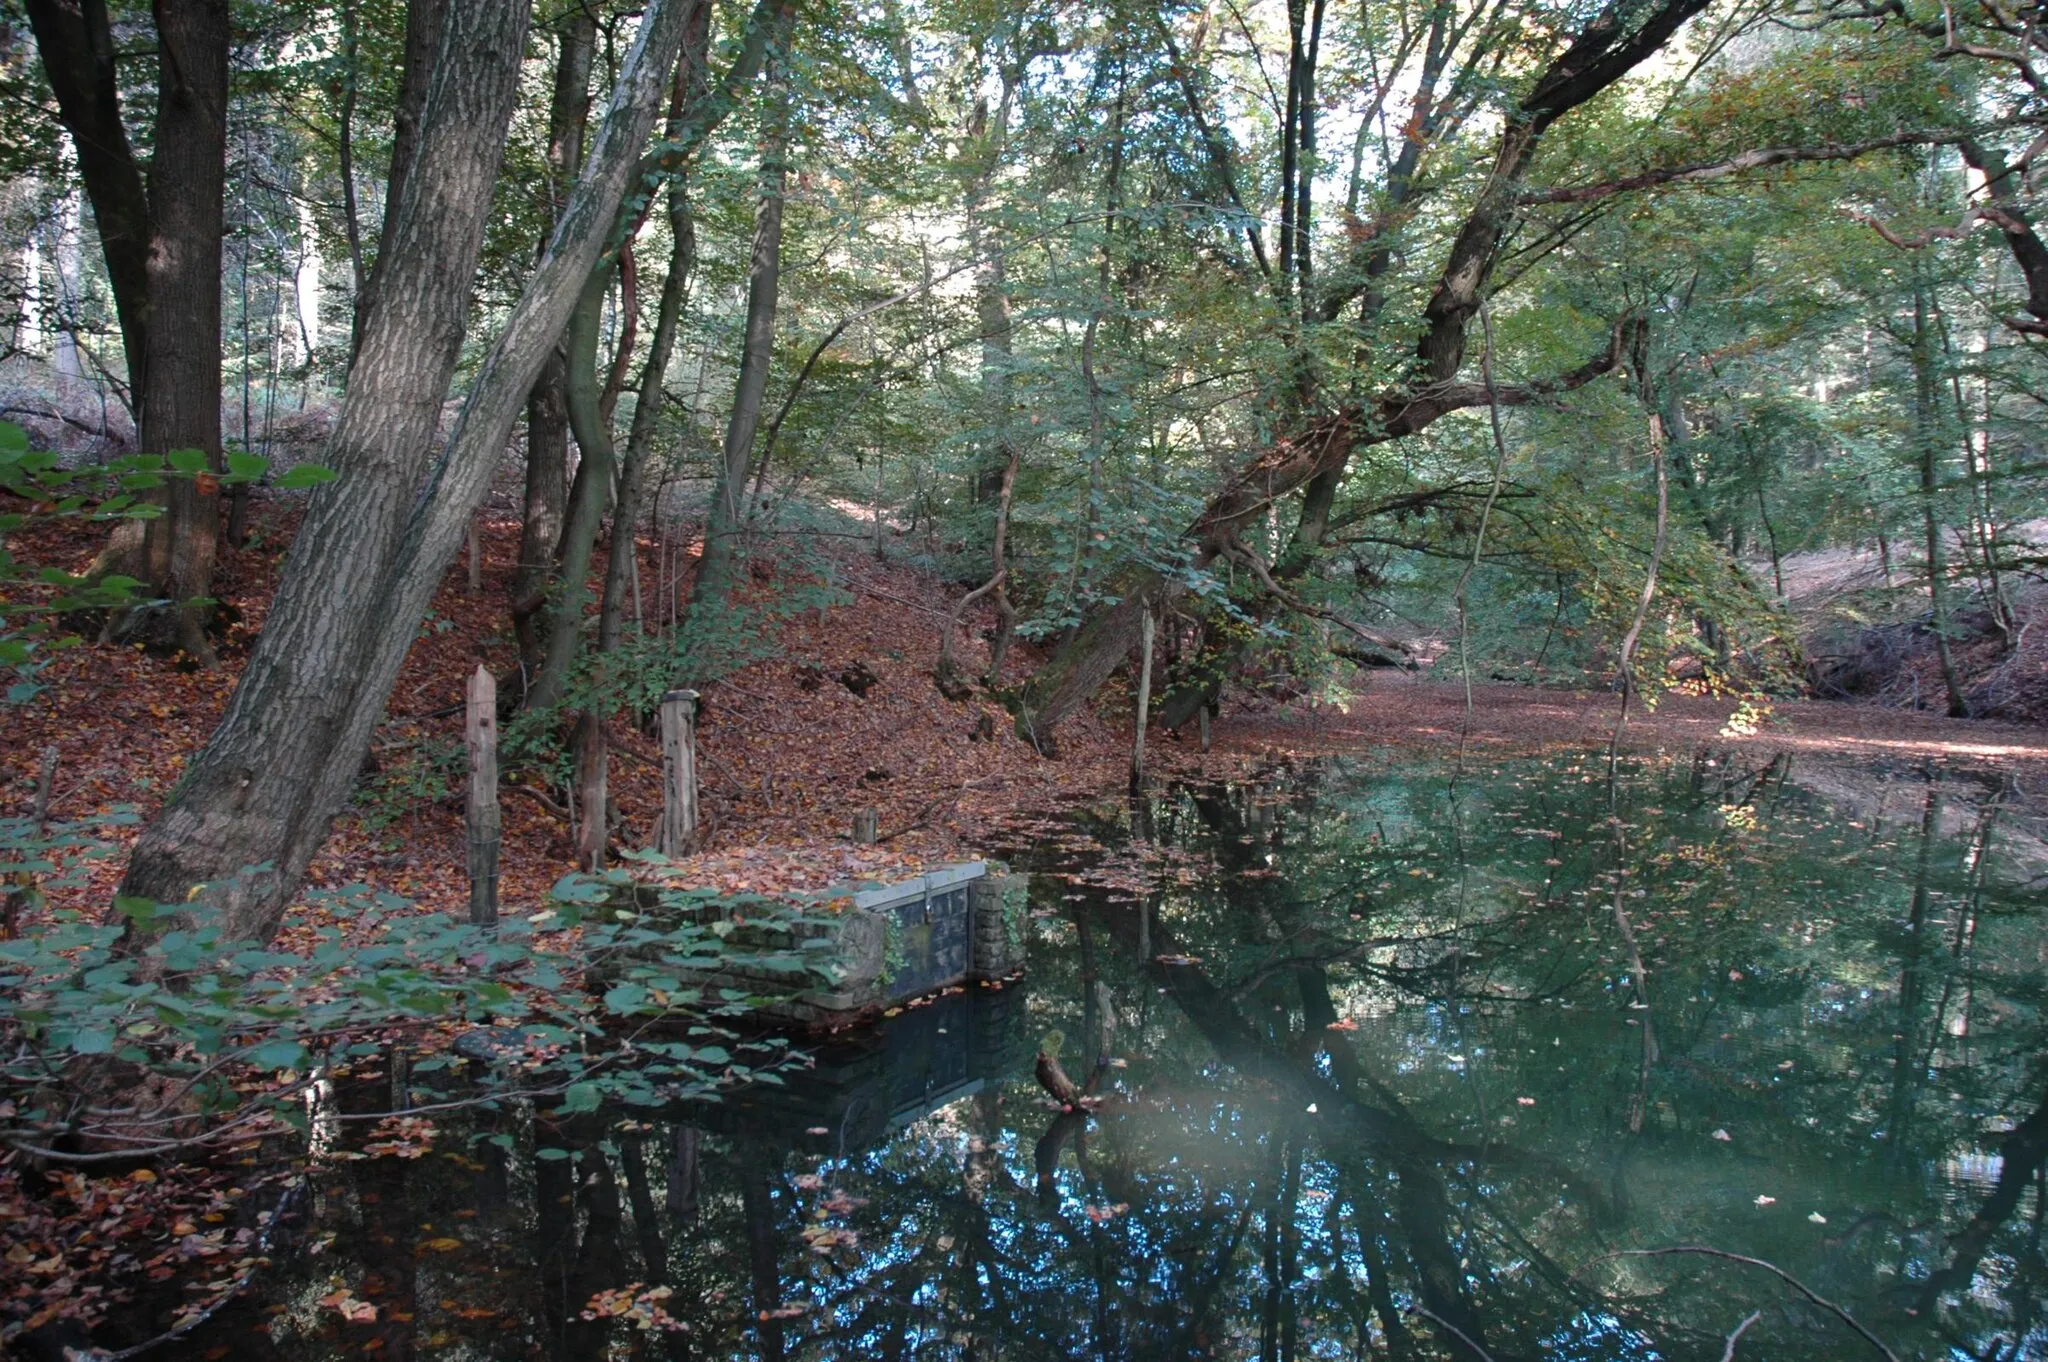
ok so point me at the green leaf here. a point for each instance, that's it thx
(188, 460)
(93, 1040)
(279, 1054)
(13, 439)
(551, 1154)
(581, 1097)
(578, 887)
(141, 912)
(246, 467)
(305, 475)
(625, 997)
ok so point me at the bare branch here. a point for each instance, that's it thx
(1801, 1287)
(1728, 1353)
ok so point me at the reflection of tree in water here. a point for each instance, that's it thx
(1851, 1000)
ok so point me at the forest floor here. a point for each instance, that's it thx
(789, 752)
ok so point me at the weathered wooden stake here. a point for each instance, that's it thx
(867, 827)
(1202, 720)
(485, 829)
(46, 776)
(476, 556)
(22, 889)
(639, 617)
(592, 763)
(678, 773)
(1144, 700)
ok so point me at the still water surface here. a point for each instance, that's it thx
(1403, 1062)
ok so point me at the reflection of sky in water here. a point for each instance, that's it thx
(1841, 1018)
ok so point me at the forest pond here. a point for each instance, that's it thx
(1403, 1061)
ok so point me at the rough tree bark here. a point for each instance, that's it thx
(547, 407)
(180, 389)
(257, 801)
(424, 20)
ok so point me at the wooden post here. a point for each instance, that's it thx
(22, 891)
(1144, 699)
(46, 776)
(481, 730)
(867, 827)
(476, 556)
(1202, 720)
(678, 773)
(592, 761)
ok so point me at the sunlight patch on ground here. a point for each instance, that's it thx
(1918, 746)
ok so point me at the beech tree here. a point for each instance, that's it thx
(160, 224)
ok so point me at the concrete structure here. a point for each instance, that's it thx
(891, 944)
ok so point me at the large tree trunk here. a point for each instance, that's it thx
(180, 390)
(547, 410)
(243, 800)
(163, 254)
(1927, 439)
(715, 569)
